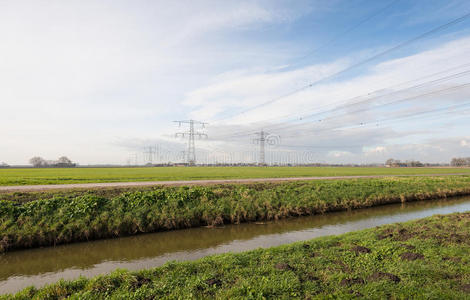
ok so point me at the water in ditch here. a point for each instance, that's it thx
(37, 267)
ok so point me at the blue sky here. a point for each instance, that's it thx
(99, 80)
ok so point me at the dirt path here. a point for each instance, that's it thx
(29, 188)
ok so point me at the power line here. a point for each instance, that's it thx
(346, 101)
(329, 129)
(320, 147)
(373, 57)
(335, 38)
(382, 105)
(150, 153)
(401, 100)
(285, 125)
(261, 140)
(348, 30)
(420, 115)
(265, 138)
(191, 134)
(377, 122)
(413, 115)
(423, 84)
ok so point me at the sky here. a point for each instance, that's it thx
(338, 81)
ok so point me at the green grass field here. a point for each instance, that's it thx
(88, 175)
(422, 259)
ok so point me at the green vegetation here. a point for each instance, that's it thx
(61, 218)
(423, 259)
(87, 175)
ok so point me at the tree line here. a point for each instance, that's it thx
(398, 163)
(63, 162)
(460, 162)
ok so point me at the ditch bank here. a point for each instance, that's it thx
(66, 218)
(425, 258)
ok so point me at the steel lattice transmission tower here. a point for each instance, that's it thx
(149, 153)
(191, 134)
(263, 139)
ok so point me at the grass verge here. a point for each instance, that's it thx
(65, 218)
(422, 259)
(35, 176)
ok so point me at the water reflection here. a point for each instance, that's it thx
(45, 265)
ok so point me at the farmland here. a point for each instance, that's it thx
(65, 217)
(30, 176)
(426, 258)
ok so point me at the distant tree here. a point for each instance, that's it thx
(459, 162)
(38, 162)
(64, 161)
(395, 163)
(414, 163)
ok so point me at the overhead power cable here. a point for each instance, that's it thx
(313, 131)
(347, 102)
(363, 62)
(399, 101)
(348, 30)
(420, 115)
(286, 125)
(376, 106)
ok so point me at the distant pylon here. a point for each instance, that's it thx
(265, 137)
(150, 152)
(191, 152)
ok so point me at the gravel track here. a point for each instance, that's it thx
(31, 188)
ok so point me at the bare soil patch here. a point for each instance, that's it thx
(411, 256)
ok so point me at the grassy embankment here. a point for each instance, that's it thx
(89, 175)
(66, 218)
(423, 259)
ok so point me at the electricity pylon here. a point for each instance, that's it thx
(191, 152)
(265, 138)
(150, 152)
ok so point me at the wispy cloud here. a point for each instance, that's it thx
(75, 77)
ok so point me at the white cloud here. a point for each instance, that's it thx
(241, 90)
(246, 89)
(376, 150)
(77, 76)
(338, 154)
(84, 72)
